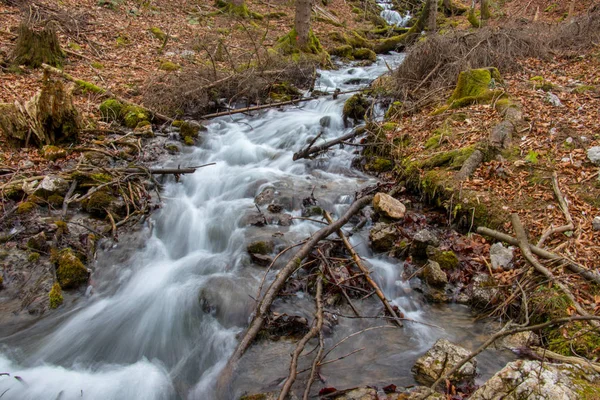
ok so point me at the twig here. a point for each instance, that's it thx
(564, 208)
(326, 264)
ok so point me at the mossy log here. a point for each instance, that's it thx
(37, 47)
(48, 117)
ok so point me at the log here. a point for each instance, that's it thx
(309, 151)
(570, 264)
(256, 108)
(90, 87)
(363, 268)
(262, 308)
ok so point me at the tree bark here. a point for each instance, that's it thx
(37, 47)
(432, 6)
(485, 9)
(302, 21)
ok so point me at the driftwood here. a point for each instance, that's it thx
(262, 309)
(359, 263)
(570, 264)
(309, 151)
(103, 92)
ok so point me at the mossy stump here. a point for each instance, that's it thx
(37, 47)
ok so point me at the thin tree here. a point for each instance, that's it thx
(432, 6)
(302, 22)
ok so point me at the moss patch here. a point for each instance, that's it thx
(169, 66)
(70, 271)
(364, 54)
(26, 207)
(475, 86)
(260, 247)
(55, 296)
(111, 110)
(133, 115)
(53, 153)
(355, 107)
(98, 203)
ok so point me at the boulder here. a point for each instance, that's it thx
(596, 223)
(434, 275)
(533, 380)
(521, 340)
(483, 291)
(382, 237)
(593, 154)
(421, 240)
(446, 258)
(265, 197)
(52, 184)
(441, 358)
(501, 256)
(388, 206)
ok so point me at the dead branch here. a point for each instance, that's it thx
(335, 282)
(310, 151)
(256, 108)
(572, 265)
(564, 208)
(359, 263)
(545, 353)
(526, 251)
(262, 309)
(316, 328)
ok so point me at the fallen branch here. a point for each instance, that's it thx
(256, 108)
(316, 328)
(572, 265)
(564, 208)
(103, 92)
(262, 309)
(359, 263)
(309, 151)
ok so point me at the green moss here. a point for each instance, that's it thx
(169, 66)
(189, 141)
(583, 89)
(288, 44)
(380, 164)
(74, 46)
(260, 247)
(447, 259)
(133, 115)
(26, 207)
(364, 54)
(475, 86)
(53, 153)
(172, 148)
(56, 200)
(283, 91)
(122, 41)
(33, 257)
(433, 142)
(158, 33)
(576, 338)
(70, 271)
(87, 87)
(98, 203)
(356, 107)
(474, 18)
(97, 65)
(62, 227)
(111, 110)
(394, 111)
(239, 11)
(188, 129)
(344, 51)
(55, 296)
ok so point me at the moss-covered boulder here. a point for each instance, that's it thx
(283, 91)
(379, 164)
(99, 202)
(260, 247)
(447, 259)
(53, 153)
(55, 296)
(476, 86)
(133, 115)
(344, 51)
(70, 271)
(110, 110)
(169, 66)
(356, 107)
(364, 54)
(26, 207)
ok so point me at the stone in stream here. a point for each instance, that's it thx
(441, 358)
(501, 257)
(535, 380)
(52, 184)
(433, 274)
(382, 237)
(388, 206)
(421, 240)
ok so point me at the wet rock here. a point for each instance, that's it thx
(312, 211)
(441, 358)
(285, 325)
(382, 237)
(261, 259)
(226, 299)
(275, 208)
(421, 240)
(596, 223)
(365, 393)
(447, 259)
(483, 292)
(501, 256)
(593, 154)
(265, 197)
(325, 121)
(521, 340)
(260, 247)
(434, 275)
(420, 393)
(38, 242)
(388, 206)
(526, 379)
(52, 184)
(70, 271)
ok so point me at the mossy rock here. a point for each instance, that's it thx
(169, 66)
(172, 148)
(380, 164)
(356, 107)
(56, 200)
(446, 259)
(364, 54)
(475, 86)
(33, 257)
(260, 247)
(55, 296)
(189, 141)
(344, 51)
(133, 115)
(99, 202)
(70, 271)
(110, 110)
(53, 153)
(188, 129)
(26, 207)
(284, 91)
(158, 33)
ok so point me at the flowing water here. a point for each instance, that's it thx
(161, 323)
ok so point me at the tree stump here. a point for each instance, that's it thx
(35, 47)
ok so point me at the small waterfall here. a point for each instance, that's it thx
(391, 16)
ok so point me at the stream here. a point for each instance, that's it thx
(161, 322)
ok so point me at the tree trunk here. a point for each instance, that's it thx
(37, 47)
(302, 22)
(432, 6)
(485, 9)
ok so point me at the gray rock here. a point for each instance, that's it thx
(534, 380)
(52, 184)
(388, 206)
(434, 275)
(325, 121)
(265, 197)
(554, 100)
(421, 240)
(420, 393)
(441, 358)
(483, 291)
(382, 237)
(520, 340)
(593, 154)
(596, 223)
(501, 256)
